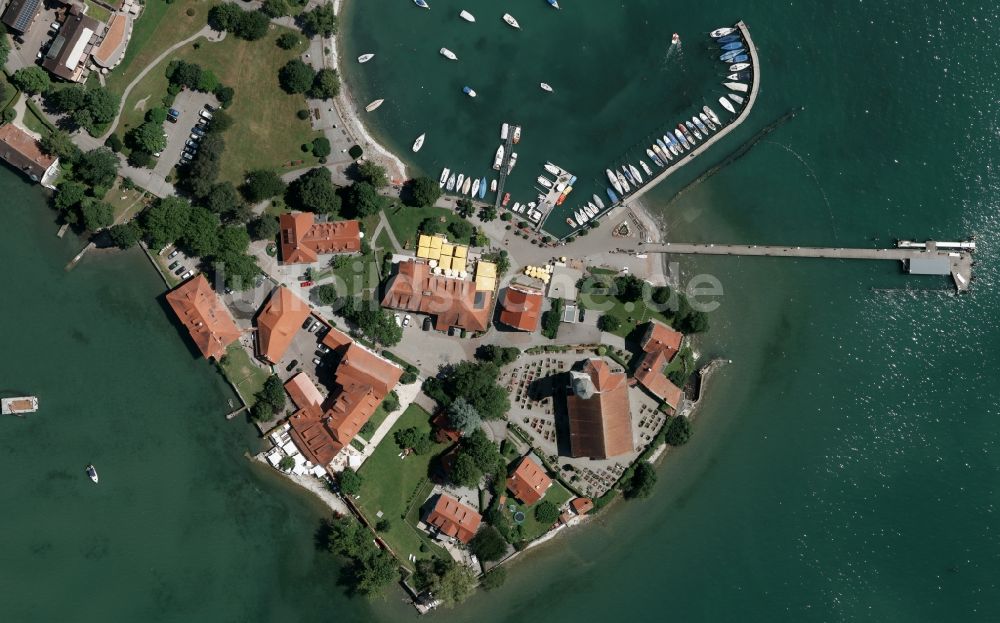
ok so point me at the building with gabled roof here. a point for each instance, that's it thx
(600, 419)
(19, 14)
(661, 338)
(303, 240)
(522, 307)
(453, 302)
(21, 151)
(207, 320)
(70, 50)
(529, 482)
(278, 322)
(454, 519)
(661, 344)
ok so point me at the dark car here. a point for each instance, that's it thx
(291, 365)
(180, 271)
(197, 131)
(427, 324)
(308, 323)
(174, 265)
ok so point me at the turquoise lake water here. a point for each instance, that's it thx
(844, 466)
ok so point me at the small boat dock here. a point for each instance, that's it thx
(20, 405)
(504, 165)
(549, 198)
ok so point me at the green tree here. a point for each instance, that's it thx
(264, 227)
(325, 85)
(413, 439)
(477, 382)
(296, 77)
(273, 392)
(642, 481)
(59, 143)
(149, 137)
(494, 579)
(201, 233)
(464, 472)
(114, 143)
(326, 294)
(201, 173)
(262, 184)
(609, 323)
(488, 544)
(373, 173)
(67, 99)
(224, 17)
(363, 200)
(224, 94)
(69, 195)
(678, 431)
(552, 318)
(423, 191)
(241, 270)
(286, 463)
(430, 226)
(184, 74)
(455, 585)
(287, 41)
(461, 231)
(275, 8)
(126, 235)
(262, 412)
(233, 240)
(350, 481)
(484, 453)
(661, 295)
(96, 214)
(383, 525)
(321, 147)
(165, 221)
(140, 159)
(465, 208)
(157, 115)
(102, 105)
(374, 573)
(546, 513)
(226, 201)
(314, 192)
(629, 288)
(488, 213)
(463, 416)
(32, 79)
(498, 355)
(391, 402)
(319, 21)
(251, 26)
(97, 167)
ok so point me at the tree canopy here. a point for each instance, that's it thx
(477, 382)
(488, 544)
(31, 79)
(363, 200)
(461, 231)
(498, 355)
(375, 322)
(373, 173)
(262, 184)
(225, 200)
(201, 233)
(413, 439)
(423, 191)
(350, 481)
(678, 431)
(642, 481)
(314, 192)
(296, 77)
(319, 21)
(463, 416)
(96, 214)
(125, 235)
(97, 167)
(609, 323)
(371, 568)
(165, 221)
(325, 84)
(60, 143)
(264, 227)
(546, 513)
(149, 137)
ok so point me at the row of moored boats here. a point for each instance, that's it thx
(460, 184)
(735, 54)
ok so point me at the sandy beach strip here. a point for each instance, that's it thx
(348, 111)
(312, 484)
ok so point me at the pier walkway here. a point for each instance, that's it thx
(504, 168)
(918, 258)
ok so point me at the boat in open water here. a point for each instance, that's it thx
(693, 130)
(445, 52)
(504, 129)
(511, 162)
(727, 104)
(701, 126)
(652, 156)
(507, 17)
(364, 58)
(739, 99)
(684, 142)
(721, 32)
(545, 87)
(92, 473)
(705, 120)
(493, 186)
(18, 405)
(417, 144)
(544, 181)
(517, 135)
(468, 91)
(739, 75)
(469, 17)
(625, 186)
(645, 167)
(735, 45)
(422, 4)
(635, 174)
(553, 3)
(444, 177)
(731, 56)
(372, 106)
(551, 168)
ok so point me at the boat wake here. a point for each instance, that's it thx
(812, 173)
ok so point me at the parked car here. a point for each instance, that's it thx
(317, 361)
(180, 270)
(323, 349)
(55, 26)
(196, 131)
(314, 327)
(308, 323)
(191, 144)
(305, 284)
(428, 324)
(174, 254)
(319, 353)
(173, 112)
(209, 107)
(174, 265)
(194, 137)
(291, 365)
(205, 114)
(406, 320)
(187, 274)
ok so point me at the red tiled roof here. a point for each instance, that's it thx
(660, 337)
(582, 506)
(454, 518)
(522, 308)
(312, 438)
(336, 339)
(303, 392)
(650, 375)
(454, 302)
(21, 151)
(278, 322)
(114, 37)
(529, 482)
(206, 318)
(303, 240)
(600, 425)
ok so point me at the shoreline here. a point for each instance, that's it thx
(310, 484)
(347, 110)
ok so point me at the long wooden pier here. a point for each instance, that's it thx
(954, 258)
(508, 147)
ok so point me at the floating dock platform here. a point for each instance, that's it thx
(18, 406)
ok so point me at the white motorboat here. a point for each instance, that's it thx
(469, 91)
(624, 183)
(736, 86)
(721, 32)
(739, 66)
(417, 144)
(422, 4)
(511, 162)
(364, 58)
(581, 216)
(570, 221)
(507, 17)
(597, 200)
(19, 405)
(458, 184)
(517, 135)
(445, 52)
(467, 186)
(707, 121)
(727, 105)
(739, 99)
(469, 17)
(444, 177)
(493, 186)
(504, 129)
(475, 188)
(498, 159)
(544, 181)
(450, 186)
(614, 180)
(374, 105)
(645, 167)
(545, 87)
(590, 210)
(635, 173)
(517, 207)
(92, 473)
(711, 113)
(551, 168)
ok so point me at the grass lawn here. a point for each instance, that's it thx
(262, 113)
(373, 423)
(149, 39)
(126, 203)
(241, 372)
(398, 488)
(405, 221)
(98, 12)
(357, 276)
(557, 494)
(34, 120)
(630, 314)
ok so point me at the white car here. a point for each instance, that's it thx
(205, 114)
(186, 275)
(406, 320)
(316, 361)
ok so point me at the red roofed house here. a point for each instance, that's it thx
(206, 318)
(529, 482)
(278, 322)
(363, 378)
(454, 519)
(453, 302)
(600, 419)
(582, 506)
(661, 344)
(522, 307)
(21, 151)
(303, 240)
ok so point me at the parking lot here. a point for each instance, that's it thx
(189, 104)
(39, 36)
